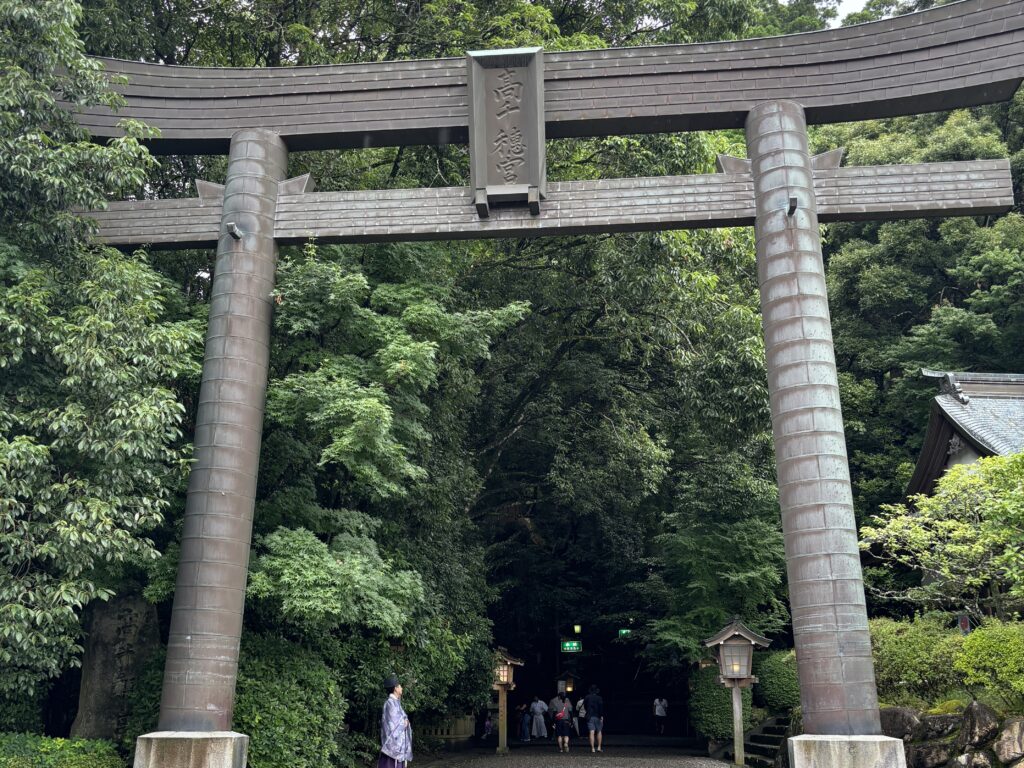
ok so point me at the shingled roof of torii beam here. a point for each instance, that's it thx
(957, 55)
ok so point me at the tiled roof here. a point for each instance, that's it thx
(997, 423)
(987, 408)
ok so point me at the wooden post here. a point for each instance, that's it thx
(502, 720)
(737, 725)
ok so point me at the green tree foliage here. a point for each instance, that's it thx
(47, 161)
(323, 588)
(89, 430)
(914, 660)
(992, 657)
(910, 294)
(963, 542)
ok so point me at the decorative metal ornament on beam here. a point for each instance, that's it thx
(506, 128)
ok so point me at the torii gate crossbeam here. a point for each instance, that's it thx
(961, 54)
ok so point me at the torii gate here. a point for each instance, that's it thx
(504, 103)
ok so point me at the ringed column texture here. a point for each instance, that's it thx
(206, 622)
(830, 628)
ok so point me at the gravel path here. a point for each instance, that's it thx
(583, 758)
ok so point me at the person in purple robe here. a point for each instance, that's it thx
(395, 731)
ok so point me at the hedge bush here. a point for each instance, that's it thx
(22, 713)
(914, 659)
(992, 657)
(287, 700)
(711, 706)
(777, 684)
(24, 750)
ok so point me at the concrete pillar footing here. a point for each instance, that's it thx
(813, 751)
(187, 749)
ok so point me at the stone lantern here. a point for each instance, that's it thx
(733, 647)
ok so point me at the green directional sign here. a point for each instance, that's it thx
(625, 632)
(572, 646)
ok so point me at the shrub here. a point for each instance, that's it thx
(914, 659)
(777, 683)
(21, 713)
(992, 656)
(287, 701)
(711, 706)
(23, 750)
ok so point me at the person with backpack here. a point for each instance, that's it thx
(562, 716)
(595, 717)
(581, 717)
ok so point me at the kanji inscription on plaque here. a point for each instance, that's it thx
(506, 131)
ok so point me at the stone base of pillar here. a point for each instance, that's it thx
(184, 749)
(845, 752)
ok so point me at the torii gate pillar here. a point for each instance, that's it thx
(206, 621)
(839, 702)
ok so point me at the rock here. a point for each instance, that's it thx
(120, 636)
(900, 722)
(937, 726)
(1010, 744)
(979, 724)
(930, 755)
(972, 760)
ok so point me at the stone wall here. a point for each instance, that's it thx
(974, 739)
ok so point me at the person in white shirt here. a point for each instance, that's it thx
(539, 730)
(660, 715)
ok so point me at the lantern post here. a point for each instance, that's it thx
(504, 673)
(734, 649)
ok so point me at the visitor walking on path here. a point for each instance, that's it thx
(660, 715)
(581, 717)
(595, 717)
(395, 730)
(562, 716)
(523, 720)
(537, 709)
(552, 706)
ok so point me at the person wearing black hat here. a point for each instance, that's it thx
(395, 731)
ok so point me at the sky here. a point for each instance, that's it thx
(847, 7)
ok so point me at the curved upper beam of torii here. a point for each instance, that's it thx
(957, 55)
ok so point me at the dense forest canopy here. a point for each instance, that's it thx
(465, 443)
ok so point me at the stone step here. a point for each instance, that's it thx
(753, 761)
(772, 739)
(779, 730)
(760, 749)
